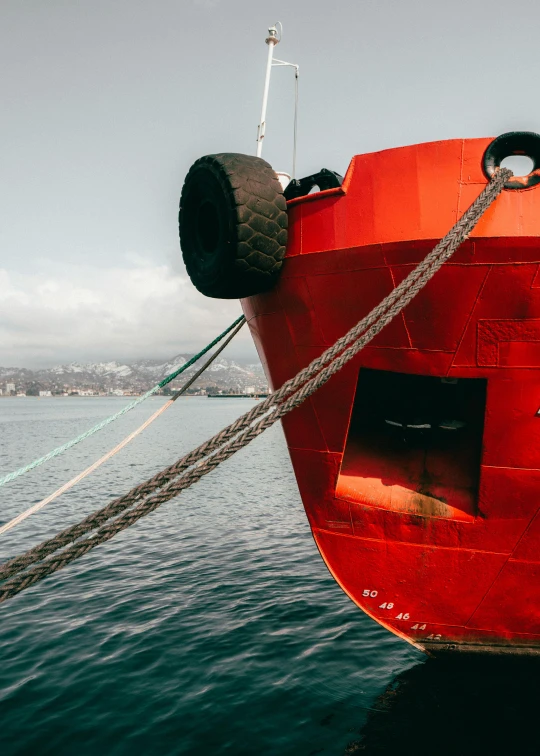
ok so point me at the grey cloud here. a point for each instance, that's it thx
(138, 310)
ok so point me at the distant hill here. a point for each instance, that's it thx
(134, 376)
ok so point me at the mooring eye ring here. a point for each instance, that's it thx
(525, 143)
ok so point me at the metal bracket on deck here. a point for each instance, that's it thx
(324, 179)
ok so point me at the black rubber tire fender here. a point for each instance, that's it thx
(233, 225)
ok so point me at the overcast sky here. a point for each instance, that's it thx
(106, 103)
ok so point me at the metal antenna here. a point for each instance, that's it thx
(272, 40)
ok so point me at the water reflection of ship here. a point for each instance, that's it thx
(460, 706)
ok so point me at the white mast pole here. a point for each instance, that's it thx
(272, 40)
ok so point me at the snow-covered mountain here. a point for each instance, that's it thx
(136, 375)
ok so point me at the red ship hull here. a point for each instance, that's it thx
(434, 535)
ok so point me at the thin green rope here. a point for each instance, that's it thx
(127, 408)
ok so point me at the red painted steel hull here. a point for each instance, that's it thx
(456, 566)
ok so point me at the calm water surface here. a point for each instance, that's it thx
(212, 626)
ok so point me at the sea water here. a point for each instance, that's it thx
(212, 626)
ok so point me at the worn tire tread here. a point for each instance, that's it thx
(260, 216)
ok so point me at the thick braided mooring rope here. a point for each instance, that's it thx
(237, 435)
(127, 440)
